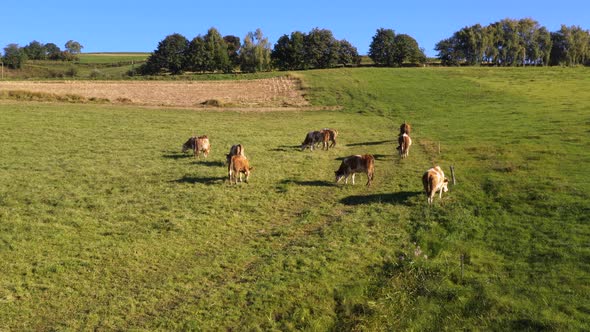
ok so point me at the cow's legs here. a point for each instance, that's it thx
(353, 178)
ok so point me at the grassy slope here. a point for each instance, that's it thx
(104, 224)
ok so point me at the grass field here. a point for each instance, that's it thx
(105, 225)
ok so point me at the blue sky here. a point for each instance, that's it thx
(138, 26)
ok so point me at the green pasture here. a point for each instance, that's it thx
(106, 225)
(96, 58)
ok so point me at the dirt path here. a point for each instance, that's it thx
(267, 94)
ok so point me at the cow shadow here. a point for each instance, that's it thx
(371, 143)
(210, 180)
(210, 163)
(316, 183)
(401, 197)
(177, 155)
(286, 148)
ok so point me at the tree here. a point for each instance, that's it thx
(14, 56)
(217, 52)
(196, 57)
(255, 53)
(170, 56)
(289, 52)
(233, 49)
(73, 47)
(348, 54)
(52, 51)
(35, 51)
(381, 50)
(321, 49)
(406, 50)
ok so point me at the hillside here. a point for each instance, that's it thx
(107, 225)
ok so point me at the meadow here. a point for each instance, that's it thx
(106, 225)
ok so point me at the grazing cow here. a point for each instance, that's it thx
(404, 145)
(312, 138)
(434, 180)
(333, 134)
(235, 150)
(356, 164)
(238, 165)
(202, 145)
(405, 128)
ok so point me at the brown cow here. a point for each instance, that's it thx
(333, 135)
(356, 164)
(237, 166)
(235, 150)
(404, 142)
(434, 180)
(405, 128)
(312, 138)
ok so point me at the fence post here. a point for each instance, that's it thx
(453, 174)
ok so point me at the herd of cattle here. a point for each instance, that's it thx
(434, 179)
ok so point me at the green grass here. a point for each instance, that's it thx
(104, 224)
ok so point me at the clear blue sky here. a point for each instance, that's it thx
(138, 26)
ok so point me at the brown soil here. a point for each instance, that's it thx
(279, 93)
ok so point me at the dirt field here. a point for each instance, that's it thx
(264, 94)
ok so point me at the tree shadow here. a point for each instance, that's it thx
(203, 180)
(371, 143)
(401, 197)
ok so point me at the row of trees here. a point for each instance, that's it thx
(298, 51)
(515, 43)
(15, 56)
(213, 52)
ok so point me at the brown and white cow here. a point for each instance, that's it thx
(198, 145)
(238, 165)
(312, 138)
(202, 145)
(404, 143)
(405, 128)
(434, 180)
(235, 150)
(356, 164)
(333, 134)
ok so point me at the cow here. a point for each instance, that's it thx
(404, 142)
(356, 164)
(405, 128)
(333, 134)
(434, 180)
(238, 164)
(235, 150)
(202, 145)
(312, 138)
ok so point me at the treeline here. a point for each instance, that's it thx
(16, 56)
(515, 43)
(216, 53)
(316, 49)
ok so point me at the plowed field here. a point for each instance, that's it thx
(263, 94)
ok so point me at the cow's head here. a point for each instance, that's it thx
(188, 145)
(445, 185)
(340, 174)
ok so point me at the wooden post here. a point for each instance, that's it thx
(453, 174)
(439, 147)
